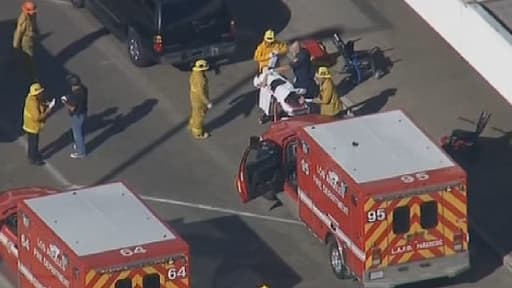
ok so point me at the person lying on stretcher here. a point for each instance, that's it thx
(275, 89)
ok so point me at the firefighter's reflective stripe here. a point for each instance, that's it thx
(452, 213)
(327, 221)
(108, 280)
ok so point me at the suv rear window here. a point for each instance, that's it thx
(174, 11)
(401, 220)
(428, 216)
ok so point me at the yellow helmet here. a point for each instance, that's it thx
(270, 36)
(201, 65)
(323, 72)
(35, 89)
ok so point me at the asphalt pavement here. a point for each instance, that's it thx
(136, 132)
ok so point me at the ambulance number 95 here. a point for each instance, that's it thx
(177, 273)
(376, 215)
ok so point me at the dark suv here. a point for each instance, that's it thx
(169, 31)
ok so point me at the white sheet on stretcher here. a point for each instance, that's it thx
(280, 94)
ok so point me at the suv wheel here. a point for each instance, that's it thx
(337, 260)
(78, 3)
(138, 55)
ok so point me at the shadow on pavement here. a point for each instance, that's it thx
(226, 253)
(373, 104)
(488, 166)
(94, 123)
(16, 81)
(76, 47)
(120, 122)
(483, 263)
(240, 106)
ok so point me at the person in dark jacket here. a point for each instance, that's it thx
(76, 103)
(303, 70)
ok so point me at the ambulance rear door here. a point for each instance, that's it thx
(419, 225)
(171, 272)
(260, 170)
(415, 230)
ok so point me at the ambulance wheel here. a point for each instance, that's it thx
(337, 260)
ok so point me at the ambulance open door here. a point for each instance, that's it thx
(260, 171)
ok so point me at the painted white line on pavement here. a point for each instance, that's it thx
(54, 172)
(60, 2)
(221, 210)
(61, 179)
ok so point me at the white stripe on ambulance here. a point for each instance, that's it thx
(10, 246)
(327, 221)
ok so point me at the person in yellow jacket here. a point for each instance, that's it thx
(199, 99)
(330, 103)
(25, 35)
(269, 46)
(35, 113)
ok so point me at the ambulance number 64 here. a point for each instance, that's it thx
(175, 273)
(376, 215)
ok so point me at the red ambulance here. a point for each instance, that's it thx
(387, 201)
(96, 237)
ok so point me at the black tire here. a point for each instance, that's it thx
(78, 3)
(337, 260)
(136, 51)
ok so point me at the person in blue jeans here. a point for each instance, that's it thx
(76, 103)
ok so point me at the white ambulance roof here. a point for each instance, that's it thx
(379, 146)
(99, 219)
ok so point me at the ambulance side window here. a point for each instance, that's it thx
(12, 223)
(291, 163)
(124, 283)
(401, 220)
(151, 281)
(428, 216)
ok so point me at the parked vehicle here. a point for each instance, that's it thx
(389, 204)
(169, 31)
(97, 237)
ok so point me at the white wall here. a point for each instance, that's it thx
(472, 33)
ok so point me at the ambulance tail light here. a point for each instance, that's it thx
(158, 44)
(458, 241)
(376, 256)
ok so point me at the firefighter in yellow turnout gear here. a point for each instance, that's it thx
(25, 35)
(270, 45)
(330, 103)
(199, 99)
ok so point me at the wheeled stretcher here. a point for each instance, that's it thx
(278, 96)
